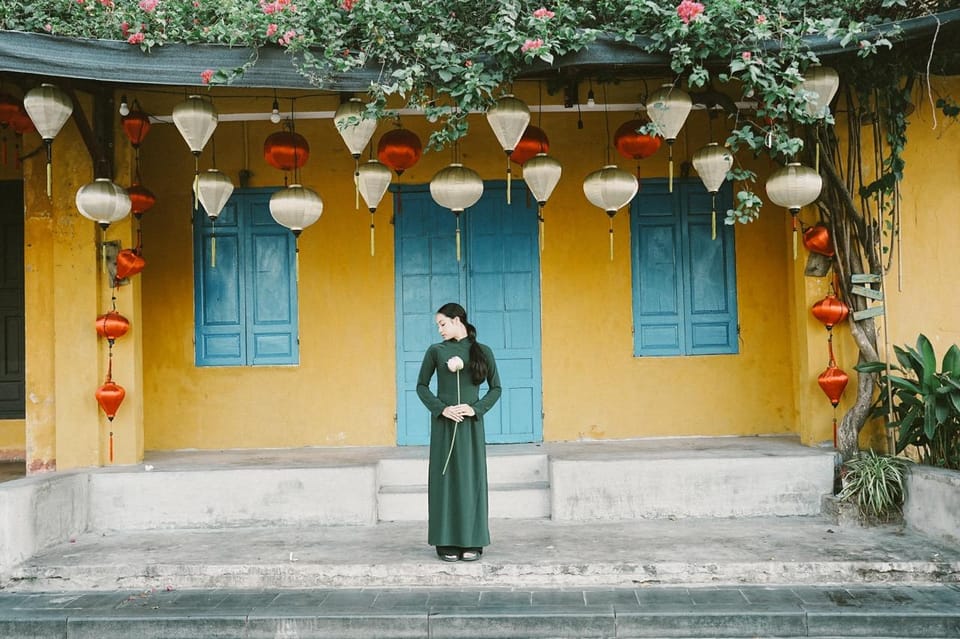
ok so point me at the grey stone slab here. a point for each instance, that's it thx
(619, 597)
(678, 621)
(826, 596)
(350, 598)
(507, 598)
(385, 625)
(245, 600)
(157, 627)
(36, 628)
(401, 599)
(440, 599)
(302, 599)
(717, 597)
(664, 596)
(99, 600)
(776, 596)
(895, 622)
(537, 622)
(12, 602)
(571, 598)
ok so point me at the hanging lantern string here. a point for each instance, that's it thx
(833, 361)
(606, 123)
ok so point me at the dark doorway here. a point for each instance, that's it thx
(11, 301)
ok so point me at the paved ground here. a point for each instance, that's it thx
(756, 611)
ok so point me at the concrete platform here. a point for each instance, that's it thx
(523, 553)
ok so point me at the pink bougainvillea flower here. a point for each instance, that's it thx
(273, 7)
(271, 29)
(746, 55)
(287, 37)
(205, 75)
(125, 28)
(135, 38)
(689, 10)
(543, 13)
(347, 5)
(106, 3)
(48, 27)
(149, 5)
(761, 19)
(531, 45)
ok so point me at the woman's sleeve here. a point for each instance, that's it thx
(490, 398)
(427, 369)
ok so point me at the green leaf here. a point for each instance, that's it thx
(925, 348)
(951, 362)
(870, 367)
(905, 384)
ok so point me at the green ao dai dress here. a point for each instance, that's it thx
(458, 499)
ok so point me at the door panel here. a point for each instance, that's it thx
(498, 282)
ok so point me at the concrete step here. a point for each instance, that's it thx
(507, 501)
(931, 612)
(502, 468)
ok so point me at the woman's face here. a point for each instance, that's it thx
(450, 327)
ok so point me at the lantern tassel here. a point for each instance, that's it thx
(816, 157)
(834, 426)
(49, 168)
(4, 150)
(713, 216)
(371, 234)
(458, 238)
(540, 224)
(296, 259)
(611, 238)
(213, 251)
(111, 446)
(356, 183)
(794, 236)
(509, 180)
(670, 169)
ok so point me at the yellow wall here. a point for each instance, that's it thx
(342, 393)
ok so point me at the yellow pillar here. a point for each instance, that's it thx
(65, 289)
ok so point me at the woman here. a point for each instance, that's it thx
(458, 460)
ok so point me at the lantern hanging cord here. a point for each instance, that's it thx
(606, 123)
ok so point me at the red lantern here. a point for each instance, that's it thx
(129, 262)
(9, 107)
(833, 381)
(141, 199)
(633, 145)
(817, 239)
(136, 125)
(110, 396)
(399, 149)
(112, 325)
(830, 310)
(533, 141)
(286, 150)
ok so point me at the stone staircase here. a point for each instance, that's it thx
(518, 485)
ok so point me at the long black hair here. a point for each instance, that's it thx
(478, 361)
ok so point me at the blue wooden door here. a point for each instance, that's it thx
(497, 280)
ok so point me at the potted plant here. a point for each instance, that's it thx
(874, 483)
(922, 403)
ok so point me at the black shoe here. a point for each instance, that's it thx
(448, 553)
(470, 554)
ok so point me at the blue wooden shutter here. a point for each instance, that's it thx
(684, 282)
(271, 286)
(219, 305)
(246, 303)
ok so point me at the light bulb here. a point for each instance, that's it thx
(275, 113)
(124, 107)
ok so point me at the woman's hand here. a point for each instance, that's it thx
(458, 412)
(453, 413)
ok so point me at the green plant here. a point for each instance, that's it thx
(925, 402)
(875, 484)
